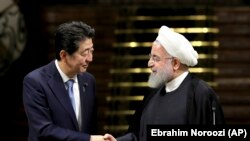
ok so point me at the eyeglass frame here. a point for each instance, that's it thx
(156, 58)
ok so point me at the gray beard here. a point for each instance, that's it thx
(157, 80)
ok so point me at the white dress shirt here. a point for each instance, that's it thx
(76, 92)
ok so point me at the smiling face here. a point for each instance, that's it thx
(160, 63)
(78, 61)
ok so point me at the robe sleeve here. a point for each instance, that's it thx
(204, 106)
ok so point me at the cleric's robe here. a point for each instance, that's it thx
(192, 103)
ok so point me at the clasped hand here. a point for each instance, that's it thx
(106, 137)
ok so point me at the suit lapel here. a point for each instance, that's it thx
(57, 86)
(83, 99)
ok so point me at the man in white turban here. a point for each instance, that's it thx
(181, 53)
(177, 46)
(180, 98)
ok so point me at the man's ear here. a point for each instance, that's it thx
(63, 54)
(176, 63)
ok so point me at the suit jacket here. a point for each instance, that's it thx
(48, 107)
(202, 104)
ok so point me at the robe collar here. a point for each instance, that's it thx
(175, 83)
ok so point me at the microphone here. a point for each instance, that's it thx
(85, 85)
(214, 110)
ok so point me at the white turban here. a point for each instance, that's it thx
(177, 46)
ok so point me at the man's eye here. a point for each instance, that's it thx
(84, 54)
(156, 58)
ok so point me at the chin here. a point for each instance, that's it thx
(84, 69)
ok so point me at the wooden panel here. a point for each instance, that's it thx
(233, 63)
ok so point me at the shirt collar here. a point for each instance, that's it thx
(175, 83)
(63, 75)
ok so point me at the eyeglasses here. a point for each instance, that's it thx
(157, 58)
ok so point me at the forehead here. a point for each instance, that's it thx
(86, 44)
(157, 49)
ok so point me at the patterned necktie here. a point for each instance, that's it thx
(69, 84)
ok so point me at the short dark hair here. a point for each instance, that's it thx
(69, 34)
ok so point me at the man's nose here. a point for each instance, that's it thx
(150, 62)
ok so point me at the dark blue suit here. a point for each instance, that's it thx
(47, 105)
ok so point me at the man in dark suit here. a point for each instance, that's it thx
(53, 114)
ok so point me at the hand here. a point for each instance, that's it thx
(109, 137)
(97, 138)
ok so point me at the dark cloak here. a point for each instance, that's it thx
(202, 107)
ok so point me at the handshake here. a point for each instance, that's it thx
(106, 137)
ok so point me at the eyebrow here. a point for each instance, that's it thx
(154, 55)
(88, 49)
